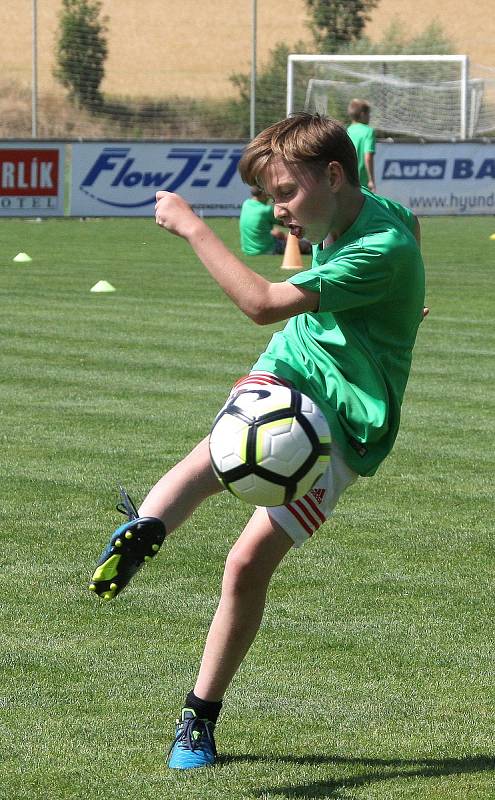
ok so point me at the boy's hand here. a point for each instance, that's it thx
(175, 214)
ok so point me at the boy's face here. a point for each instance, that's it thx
(304, 197)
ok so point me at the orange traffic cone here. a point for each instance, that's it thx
(292, 254)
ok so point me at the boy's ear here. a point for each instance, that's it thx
(336, 176)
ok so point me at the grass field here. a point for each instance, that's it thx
(373, 674)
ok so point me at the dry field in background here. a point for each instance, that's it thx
(190, 49)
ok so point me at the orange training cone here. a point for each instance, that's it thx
(292, 254)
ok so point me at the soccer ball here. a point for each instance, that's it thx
(269, 445)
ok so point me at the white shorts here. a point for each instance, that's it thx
(301, 518)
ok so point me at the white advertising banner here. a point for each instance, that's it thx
(438, 178)
(122, 179)
(31, 179)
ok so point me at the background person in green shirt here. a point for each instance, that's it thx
(260, 233)
(351, 323)
(364, 140)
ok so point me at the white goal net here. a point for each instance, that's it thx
(432, 97)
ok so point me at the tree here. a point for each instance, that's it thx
(431, 40)
(81, 51)
(338, 23)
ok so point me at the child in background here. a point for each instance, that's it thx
(260, 233)
(364, 140)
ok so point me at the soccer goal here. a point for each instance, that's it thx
(418, 95)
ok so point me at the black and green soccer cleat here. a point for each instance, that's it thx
(133, 543)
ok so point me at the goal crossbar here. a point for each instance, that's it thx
(462, 60)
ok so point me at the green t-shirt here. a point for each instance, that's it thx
(255, 223)
(353, 355)
(364, 140)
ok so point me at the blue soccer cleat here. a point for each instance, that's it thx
(194, 745)
(133, 543)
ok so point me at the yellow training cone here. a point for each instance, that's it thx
(102, 286)
(22, 258)
(292, 254)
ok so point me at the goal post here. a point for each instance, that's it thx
(410, 85)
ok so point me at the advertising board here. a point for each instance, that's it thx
(31, 179)
(441, 178)
(121, 179)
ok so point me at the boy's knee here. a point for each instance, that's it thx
(241, 571)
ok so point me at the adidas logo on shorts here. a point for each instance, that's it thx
(318, 495)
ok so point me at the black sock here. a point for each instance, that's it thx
(205, 709)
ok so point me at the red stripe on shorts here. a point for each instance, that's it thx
(261, 377)
(307, 513)
(256, 382)
(308, 499)
(301, 521)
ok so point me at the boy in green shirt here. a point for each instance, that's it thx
(364, 140)
(351, 325)
(260, 234)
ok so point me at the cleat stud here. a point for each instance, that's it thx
(92, 587)
(107, 596)
(155, 548)
(118, 543)
(128, 534)
(147, 558)
(113, 587)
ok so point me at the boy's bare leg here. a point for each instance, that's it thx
(249, 567)
(248, 570)
(182, 489)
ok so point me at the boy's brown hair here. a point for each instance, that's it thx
(302, 138)
(357, 108)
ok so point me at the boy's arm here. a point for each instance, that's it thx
(369, 157)
(417, 231)
(417, 236)
(264, 302)
(369, 161)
